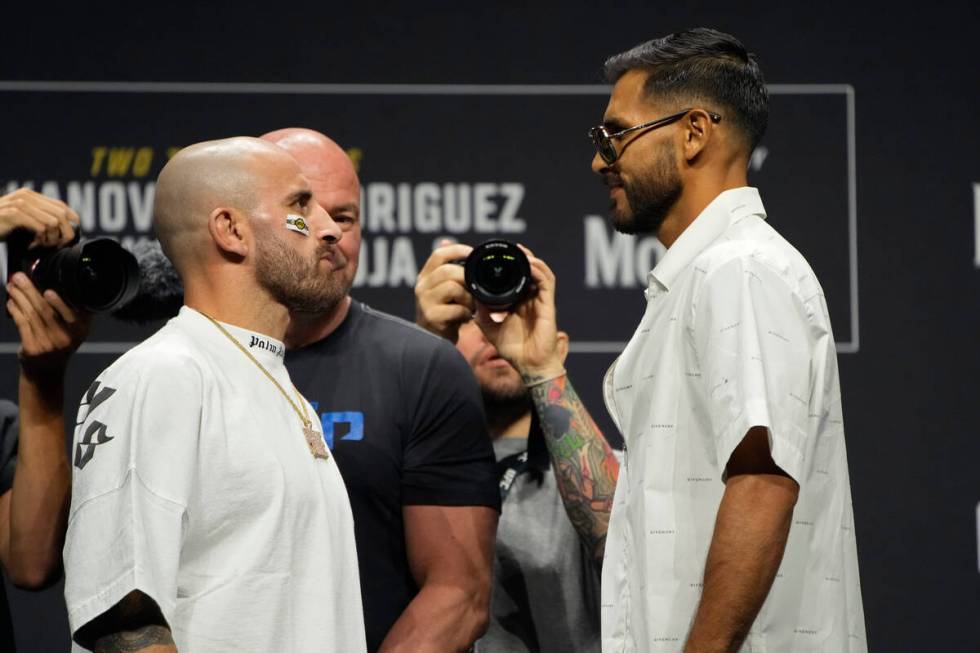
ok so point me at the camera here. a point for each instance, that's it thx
(95, 275)
(497, 274)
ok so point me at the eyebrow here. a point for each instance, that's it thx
(613, 124)
(350, 206)
(302, 194)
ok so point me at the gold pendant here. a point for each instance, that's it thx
(314, 439)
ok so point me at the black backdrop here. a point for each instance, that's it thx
(470, 121)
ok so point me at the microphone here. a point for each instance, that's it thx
(161, 293)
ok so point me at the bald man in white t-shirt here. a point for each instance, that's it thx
(207, 514)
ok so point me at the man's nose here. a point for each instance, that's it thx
(326, 229)
(599, 165)
(487, 345)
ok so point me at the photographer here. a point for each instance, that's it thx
(547, 600)
(34, 471)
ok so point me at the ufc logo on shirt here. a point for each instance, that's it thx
(348, 425)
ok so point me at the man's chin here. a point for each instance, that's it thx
(320, 304)
(504, 387)
(505, 401)
(622, 221)
(647, 223)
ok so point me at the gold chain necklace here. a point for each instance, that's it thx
(313, 438)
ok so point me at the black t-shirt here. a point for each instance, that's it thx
(403, 415)
(8, 460)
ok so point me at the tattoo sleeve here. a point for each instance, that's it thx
(585, 467)
(135, 640)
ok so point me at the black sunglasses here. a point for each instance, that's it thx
(603, 140)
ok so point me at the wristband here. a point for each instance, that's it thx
(550, 378)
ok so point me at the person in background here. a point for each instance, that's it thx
(555, 508)
(402, 413)
(35, 477)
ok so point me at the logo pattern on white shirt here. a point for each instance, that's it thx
(736, 334)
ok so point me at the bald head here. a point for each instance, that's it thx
(318, 156)
(335, 186)
(203, 177)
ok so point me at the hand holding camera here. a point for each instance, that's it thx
(527, 335)
(49, 329)
(51, 222)
(442, 302)
(511, 292)
(43, 242)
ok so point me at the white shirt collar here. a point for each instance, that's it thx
(729, 207)
(267, 350)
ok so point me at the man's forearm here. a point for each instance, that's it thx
(746, 549)
(40, 492)
(440, 619)
(584, 464)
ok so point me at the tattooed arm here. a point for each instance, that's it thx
(584, 464)
(135, 624)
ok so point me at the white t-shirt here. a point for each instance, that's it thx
(736, 334)
(193, 483)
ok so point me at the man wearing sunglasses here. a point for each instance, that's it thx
(732, 526)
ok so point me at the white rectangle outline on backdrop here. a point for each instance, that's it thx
(585, 347)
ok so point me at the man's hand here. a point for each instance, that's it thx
(527, 337)
(50, 331)
(442, 302)
(52, 221)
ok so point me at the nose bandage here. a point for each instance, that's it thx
(297, 223)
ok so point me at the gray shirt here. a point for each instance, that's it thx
(545, 586)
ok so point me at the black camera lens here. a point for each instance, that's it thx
(497, 274)
(95, 275)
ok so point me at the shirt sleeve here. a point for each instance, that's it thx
(134, 462)
(449, 459)
(754, 347)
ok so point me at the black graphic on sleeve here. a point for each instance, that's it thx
(96, 432)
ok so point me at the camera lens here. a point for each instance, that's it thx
(96, 275)
(98, 279)
(497, 274)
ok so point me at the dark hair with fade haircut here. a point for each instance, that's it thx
(702, 64)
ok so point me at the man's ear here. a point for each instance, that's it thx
(563, 346)
(698, 129)
(229, 231)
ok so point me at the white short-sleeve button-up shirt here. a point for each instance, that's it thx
(736, 334)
